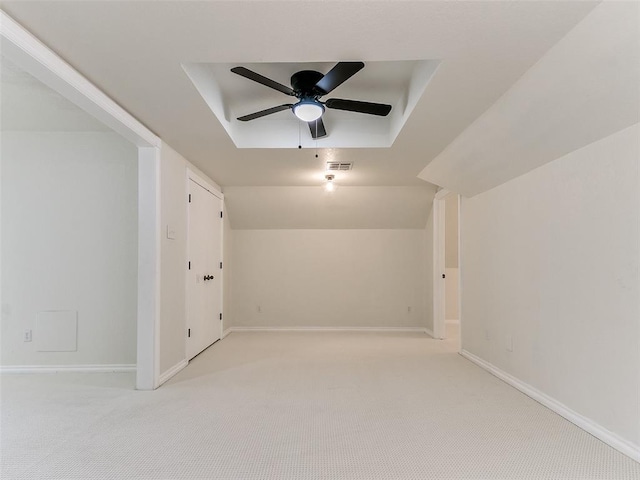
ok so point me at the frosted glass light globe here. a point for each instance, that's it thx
(308, 111)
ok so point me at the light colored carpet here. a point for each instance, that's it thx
(297, 406)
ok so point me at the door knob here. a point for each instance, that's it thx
(208, 277)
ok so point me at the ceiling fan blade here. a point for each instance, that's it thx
(342, 72)
(256, 77)
(262, 113)
(317, 128)
(361, 107)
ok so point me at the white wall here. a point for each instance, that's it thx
(173, 205)
(451, 231)
(328, 278)
(451, 294)
(552, 258)
(69, 242)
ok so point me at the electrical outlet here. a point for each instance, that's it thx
(259, 309)
(486, 334)
(409, 309)
(27, 335)
(509, 343)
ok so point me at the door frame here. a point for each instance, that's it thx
(31, 55)
(439, 215)
(192, 175)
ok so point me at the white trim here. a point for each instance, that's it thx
(598, 431)
(149, 251)
(439, 228)
(452, 321)
(226, 331)
(204, 183)
(460, 292)
(221, 271)
(172, 371)
(429, 332)
(107, 368)
(327, 329)
(438, 263)
(38, 60)
(31, 55)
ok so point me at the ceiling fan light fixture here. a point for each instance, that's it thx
(329, 186)
(308, 110)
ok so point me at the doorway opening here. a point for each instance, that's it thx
(446, 291)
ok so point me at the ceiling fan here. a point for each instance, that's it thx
(308, 86)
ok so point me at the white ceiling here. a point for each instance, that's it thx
(134, 51)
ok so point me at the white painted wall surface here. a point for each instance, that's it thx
(552, 258)
(451, 294)
(451, 231)
(173, 252)
(328, 278)
(69, 242)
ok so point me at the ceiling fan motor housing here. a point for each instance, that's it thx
(304, 84)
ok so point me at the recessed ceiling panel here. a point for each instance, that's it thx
(229, 96)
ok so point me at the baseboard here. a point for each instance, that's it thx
(226, 332)
(327, 329)
(608, 437)
(429, 332)
(172, 371)
(114, 368)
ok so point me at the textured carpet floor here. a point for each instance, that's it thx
(297, 406)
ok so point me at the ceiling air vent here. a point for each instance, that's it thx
(337, 166)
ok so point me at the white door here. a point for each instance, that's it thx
(204, 286)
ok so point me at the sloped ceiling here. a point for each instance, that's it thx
(26, 104)
(345, 208)
(585, 88)
(134, 52)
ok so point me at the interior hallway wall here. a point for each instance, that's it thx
(173, 264)
(69, 243)
(551, 260)
(328, 278)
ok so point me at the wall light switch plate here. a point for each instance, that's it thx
(27, 335)
(171, 232)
